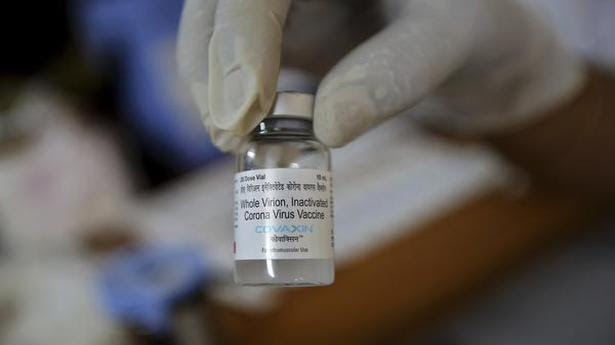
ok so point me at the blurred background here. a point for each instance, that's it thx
(115, 209)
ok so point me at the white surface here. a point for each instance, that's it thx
(54, 302)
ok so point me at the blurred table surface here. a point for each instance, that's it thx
(420, 223)
(399, 288)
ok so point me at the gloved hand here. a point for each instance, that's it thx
(467, 65)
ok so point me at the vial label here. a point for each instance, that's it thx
(283, 214)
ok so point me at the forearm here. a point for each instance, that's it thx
(572, 149)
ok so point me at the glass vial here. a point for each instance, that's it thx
(283, 200)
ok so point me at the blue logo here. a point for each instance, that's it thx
(283, 229)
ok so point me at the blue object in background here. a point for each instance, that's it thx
(139, 37)
(140, 288)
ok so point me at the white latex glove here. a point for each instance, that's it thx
(470, 65)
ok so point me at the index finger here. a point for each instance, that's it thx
(244, 61)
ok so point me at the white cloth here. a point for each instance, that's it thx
(586, 26)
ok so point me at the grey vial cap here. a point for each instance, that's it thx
(293, 104)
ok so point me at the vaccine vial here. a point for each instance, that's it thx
(283, 200)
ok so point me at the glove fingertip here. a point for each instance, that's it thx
(226, 141)
(342, 116)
